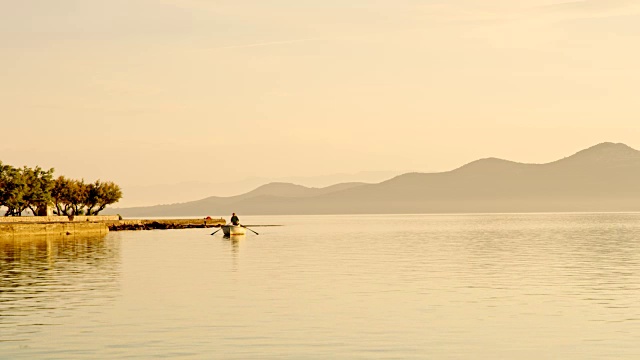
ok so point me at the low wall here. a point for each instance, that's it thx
(13, 230)
(61, 225)
(56, 219)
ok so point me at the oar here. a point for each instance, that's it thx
(215, 231)
(249, 229)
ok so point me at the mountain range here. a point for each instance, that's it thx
(154, 194)
(605, 177)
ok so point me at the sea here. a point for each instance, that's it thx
(469, 286)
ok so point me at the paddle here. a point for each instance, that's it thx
(215, 231)
(249, 229)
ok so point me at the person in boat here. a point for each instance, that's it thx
(234, 220)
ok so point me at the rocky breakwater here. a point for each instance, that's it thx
(164, 224)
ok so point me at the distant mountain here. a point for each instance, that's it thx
(222, 204)
(605, 177)
(154, 194)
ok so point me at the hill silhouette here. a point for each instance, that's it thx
(605, 177)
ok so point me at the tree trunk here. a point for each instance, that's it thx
(99, 209)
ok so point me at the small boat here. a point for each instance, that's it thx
(231, 230)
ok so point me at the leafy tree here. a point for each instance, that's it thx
(13, 188)
(100, 195)
(69, 196)
(59, 196)
(26, 188)
(5, 183)
(37, 192)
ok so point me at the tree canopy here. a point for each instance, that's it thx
(34, 189)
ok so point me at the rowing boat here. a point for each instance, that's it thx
(230, 230)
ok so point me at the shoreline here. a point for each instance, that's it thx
(160, 225)
(12, 227)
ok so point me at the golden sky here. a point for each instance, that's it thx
(163, 91)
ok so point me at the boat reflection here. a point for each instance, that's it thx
(234, 237)
(234, 240)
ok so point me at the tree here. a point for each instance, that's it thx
(5, 183)
(13, 188)
(62, 195)
(4, 169)
(26, 188)
(37, 192)
(100, 195)
(69, 196)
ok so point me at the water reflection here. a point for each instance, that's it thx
(234, 239)
(41, 274)
(235, 242)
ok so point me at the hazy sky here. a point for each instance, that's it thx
(162, 91)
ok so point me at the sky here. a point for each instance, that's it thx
(167, 91)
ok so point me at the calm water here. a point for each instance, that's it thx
(350, 287)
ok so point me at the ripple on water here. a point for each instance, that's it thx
(411, 286)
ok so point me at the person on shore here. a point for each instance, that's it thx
(234, 220)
